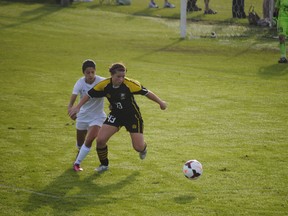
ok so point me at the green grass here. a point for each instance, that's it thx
(227, 102)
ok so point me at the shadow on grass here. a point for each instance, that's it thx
(184, 199)
(164, 48)
(152, 12)
(275, 70)
(69, 193)
(33, 15)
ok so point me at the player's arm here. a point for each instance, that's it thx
(71, 103)
(136, 88)
(74, 110)
(156, 99)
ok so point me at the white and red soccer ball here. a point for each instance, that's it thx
(192, 169)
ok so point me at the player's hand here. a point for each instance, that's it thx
(163, 105)
(74, 117)
(72, 112)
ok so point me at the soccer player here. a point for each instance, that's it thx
(281, 8)
(120, 91)
(91, 115)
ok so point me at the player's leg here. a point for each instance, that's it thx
(139, 144)
(91, 135)
(104, 135)
(80, 137)
(81, 132)
(85, 149)
(135, 125)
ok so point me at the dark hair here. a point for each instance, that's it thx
(117, 67)
(88, 63)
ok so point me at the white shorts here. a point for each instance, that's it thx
(84, 125)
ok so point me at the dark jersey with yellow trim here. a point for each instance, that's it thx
(121, 98)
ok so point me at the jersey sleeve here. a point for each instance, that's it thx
(77, 88)
(99, 89)
(135, 87)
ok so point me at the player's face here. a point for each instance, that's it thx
(118, 78)
(89, 74)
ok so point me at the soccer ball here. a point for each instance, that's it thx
(213, 35)
(192, 169)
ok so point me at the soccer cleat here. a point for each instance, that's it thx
(153, 5)
(101, 168)
(77, 168)
(143, 154)
(282, 60)
(169, 5)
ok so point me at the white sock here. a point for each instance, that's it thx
(82, 154)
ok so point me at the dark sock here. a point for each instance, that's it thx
(103, 155)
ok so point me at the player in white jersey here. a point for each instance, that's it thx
(91, 116)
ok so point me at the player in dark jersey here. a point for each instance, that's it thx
(120, 91)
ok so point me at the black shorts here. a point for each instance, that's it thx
(132, 122)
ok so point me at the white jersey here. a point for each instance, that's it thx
(92, 109)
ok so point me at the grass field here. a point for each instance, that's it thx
(227, 100)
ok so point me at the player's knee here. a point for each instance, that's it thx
(101, 143)
(89, 140)
(88, 143)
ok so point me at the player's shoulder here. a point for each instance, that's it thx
(99, 79)
(105, 81)
(131, 82)
(102, 84)
(80, 82)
